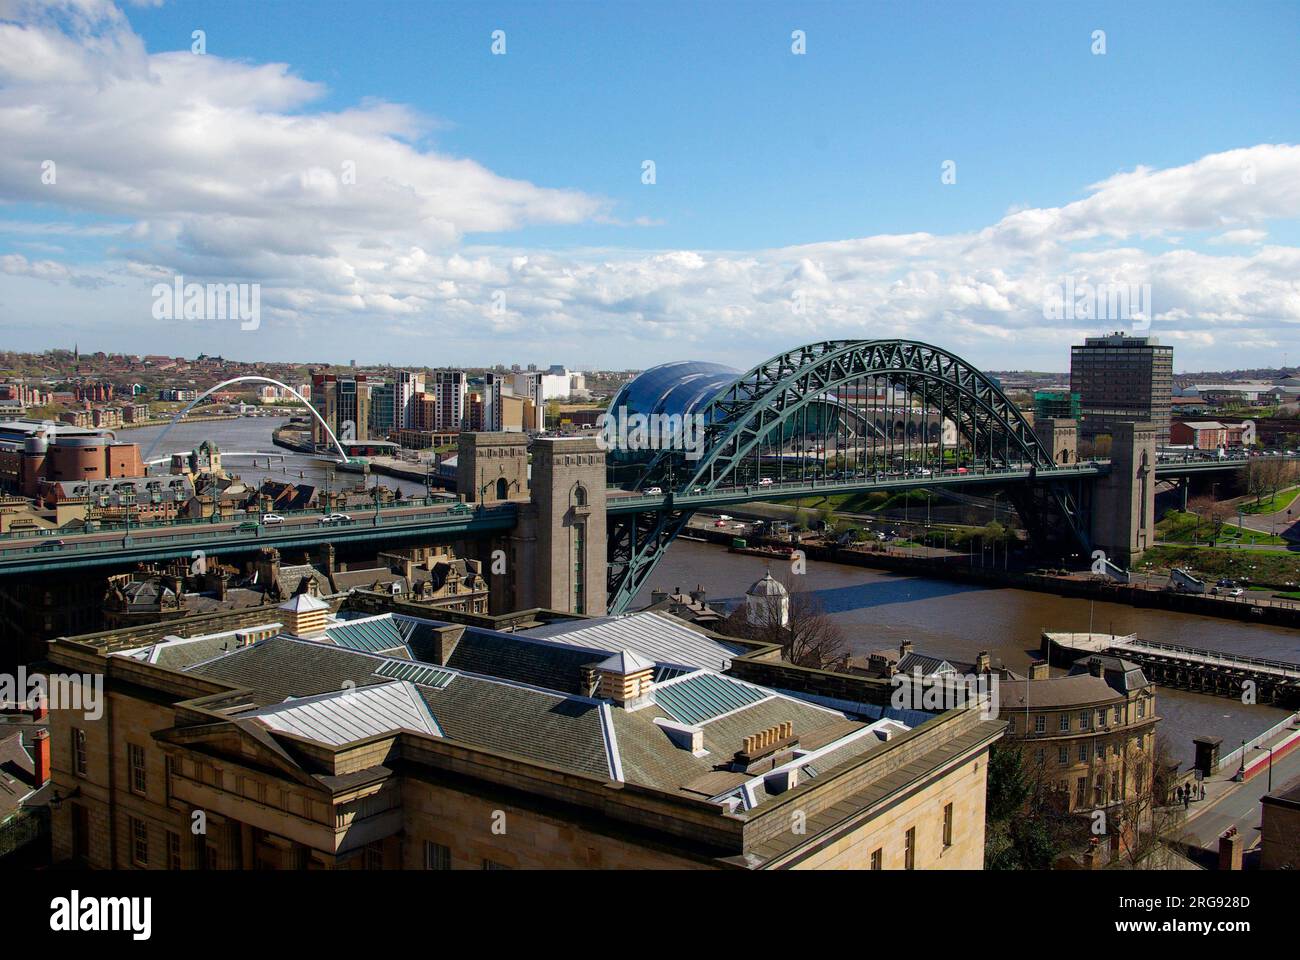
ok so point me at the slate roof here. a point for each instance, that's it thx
(518, 696)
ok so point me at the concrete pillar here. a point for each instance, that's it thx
(1060, 438)
(1124, 501)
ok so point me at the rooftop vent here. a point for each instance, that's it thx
(625, 677)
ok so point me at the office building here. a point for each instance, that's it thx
(1122, 379)
(384, 737)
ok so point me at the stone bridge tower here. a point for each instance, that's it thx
(1124, 501)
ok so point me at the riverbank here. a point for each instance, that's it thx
(204, 418)
(960, 568)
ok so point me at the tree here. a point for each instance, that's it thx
(1026, 825)
(1143, 820)
(810, 638)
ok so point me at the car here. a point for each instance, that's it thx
(723, 517)
(49, 545)
(1235, 592)
(461, 508)
(335, 518)
(654, 492)
(924, 472)
(248, 526)
(1225, 582)
(765, 482)
(271, 519)
(963, 470)
(719, 523)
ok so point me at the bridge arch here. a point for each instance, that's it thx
(747, 419)
(343, 456)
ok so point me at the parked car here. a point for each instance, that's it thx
(271, 519)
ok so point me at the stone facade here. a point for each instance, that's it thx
(1124, 500)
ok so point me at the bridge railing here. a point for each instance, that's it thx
(1204, 653)
(269, 534)
(243, 516)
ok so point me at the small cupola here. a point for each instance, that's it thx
(304, 615)
(624, 677)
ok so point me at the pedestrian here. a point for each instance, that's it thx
(1187, 798)
(1202, 789)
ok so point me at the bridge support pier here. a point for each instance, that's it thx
(556, 556)
(1124, 501)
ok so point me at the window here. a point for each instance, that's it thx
(579, 496)
(877, 858)
(1081, 791)
(436, 856)
(1114, 786)
(493, 865)
(1041, 757)
(1083, 753)
(1101, 717)
(1099, 790)
(79, 751)
(1011, 725)
(909, 849)
(375, 855)
(139, 842)
(947, 825)
(173, 850)
(1117, 715)
(1085, 719)
(1063, 756)
(1142, 709)
(135, 760)
(1040, 724)
(579, 568)
(1065, 722)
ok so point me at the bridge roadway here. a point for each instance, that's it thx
(26, 552)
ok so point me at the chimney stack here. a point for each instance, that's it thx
(1094, 666)
(41, 757)
(983, 662)
(1038, 670)
(1230, 849)
(904, 649)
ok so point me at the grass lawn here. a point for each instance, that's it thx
(1179, 527)
(1272, 504)
(1256, 567)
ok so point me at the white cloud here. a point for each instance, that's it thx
(360, 233)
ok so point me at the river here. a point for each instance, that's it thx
(253, 435)
(875, 608)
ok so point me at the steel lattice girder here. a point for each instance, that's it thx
(738, 419)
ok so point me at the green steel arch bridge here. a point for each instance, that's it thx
(843, 416)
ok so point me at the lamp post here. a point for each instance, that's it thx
(1270, 766)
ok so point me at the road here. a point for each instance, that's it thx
(1239, 806)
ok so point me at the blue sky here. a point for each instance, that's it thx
(761, 157)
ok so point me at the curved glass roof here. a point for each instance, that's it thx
(674, 388)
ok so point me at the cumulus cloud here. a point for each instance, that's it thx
(225, 170)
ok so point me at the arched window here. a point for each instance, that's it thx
(503, 488)
(579, 496)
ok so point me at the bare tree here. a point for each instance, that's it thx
(808, 638)
(1145, 820)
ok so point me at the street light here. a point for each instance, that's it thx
(1270, 766)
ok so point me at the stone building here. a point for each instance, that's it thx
(394, 741)
(1088, 736)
